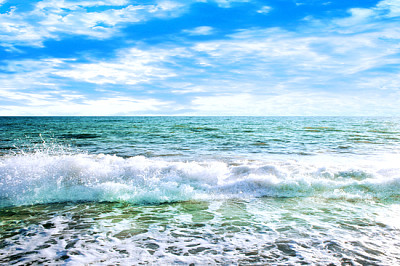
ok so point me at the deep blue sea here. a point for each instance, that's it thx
(200, 190)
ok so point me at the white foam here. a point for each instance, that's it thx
(44, 178)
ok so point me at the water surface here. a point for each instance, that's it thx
(202, 190)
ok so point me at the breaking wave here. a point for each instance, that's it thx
(40, 177)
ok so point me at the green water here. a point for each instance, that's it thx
(260, 231)
(199, 190)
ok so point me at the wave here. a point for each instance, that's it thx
(40, 177)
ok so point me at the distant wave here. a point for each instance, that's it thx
(40, 177)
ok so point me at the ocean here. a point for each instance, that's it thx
(200, 190)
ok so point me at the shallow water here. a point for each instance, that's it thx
(207, 191)
(257, 231)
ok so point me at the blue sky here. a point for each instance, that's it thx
(199, 57)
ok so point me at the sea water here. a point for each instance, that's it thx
(200, 190)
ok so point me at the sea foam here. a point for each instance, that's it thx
(38, 178)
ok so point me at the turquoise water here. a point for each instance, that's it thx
(199, 190)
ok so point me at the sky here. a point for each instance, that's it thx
(200, 57)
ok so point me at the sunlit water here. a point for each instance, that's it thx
(199, 190)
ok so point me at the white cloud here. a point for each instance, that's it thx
(392, 6)
(253, 44)
(294, 103)
(32, 87)
(264, 10)
(50, 18)
(358, 16)
(343, 66)
(122, 106)
(14, 29)
(129, 73)
(228, 3)
(388, 82)
(275, 72)
(132, 66)
(60, 5)
(361, 17)
(261, 62)
(28, 74)
(202, 30)
(47, 104)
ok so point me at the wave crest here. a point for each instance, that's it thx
(44, 178)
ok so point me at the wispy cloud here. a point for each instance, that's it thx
(43, 104)
(27, 74)
(227, 3)
(391, 8)
(50, 18)
(131, 66)
(363, 18)
(34, 88)
(347, 64)
(264, 10)
(202, 30)
(295, 103)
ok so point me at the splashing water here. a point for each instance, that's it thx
(201, 191)
(42, 178)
